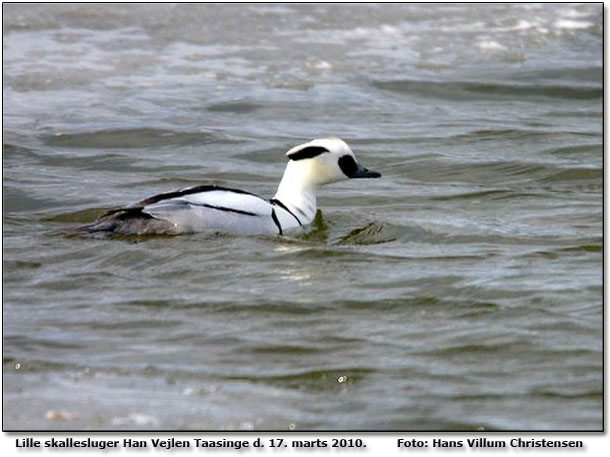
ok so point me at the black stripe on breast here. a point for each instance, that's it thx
(276, 221)
(189, 191)
(308, 153)
(275, 201)
(301, 212)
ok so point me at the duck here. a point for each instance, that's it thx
(217, 209)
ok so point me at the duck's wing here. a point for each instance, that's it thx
(213, 208)
(194, 209)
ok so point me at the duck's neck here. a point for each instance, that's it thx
(298, 193)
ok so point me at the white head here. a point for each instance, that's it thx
(312, 165)
(326, 160)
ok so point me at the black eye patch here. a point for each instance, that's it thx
(348, 165)
(308, 153)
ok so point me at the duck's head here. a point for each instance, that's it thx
(327, 160)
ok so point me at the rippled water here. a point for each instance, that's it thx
(463, 290)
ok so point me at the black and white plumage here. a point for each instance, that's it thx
(210, 208)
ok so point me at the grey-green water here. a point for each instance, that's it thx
(463, 290)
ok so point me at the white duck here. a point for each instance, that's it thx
(211, 208)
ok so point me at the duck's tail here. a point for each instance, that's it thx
(124, 221)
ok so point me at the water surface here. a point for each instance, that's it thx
(461, 291)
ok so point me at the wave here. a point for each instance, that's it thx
(125, 138)
(471, 91)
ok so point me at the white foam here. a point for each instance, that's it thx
(573, 14)
(320, 65)
(573, 25)
(135, 419)
(491, 45)
(523, 25)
